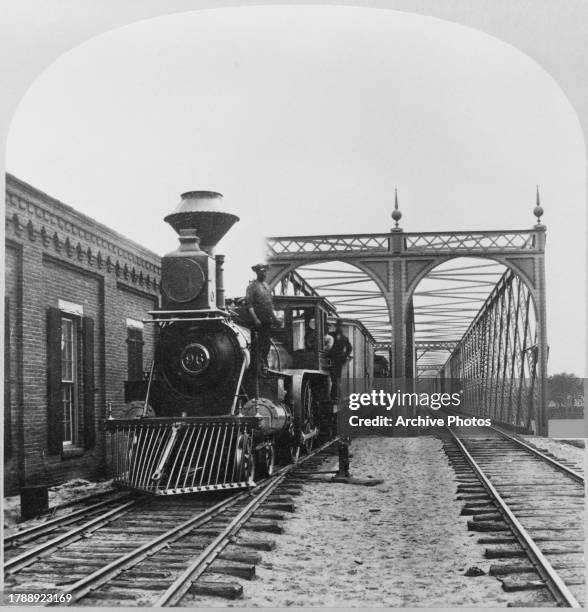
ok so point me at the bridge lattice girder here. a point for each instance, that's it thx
(495, 363)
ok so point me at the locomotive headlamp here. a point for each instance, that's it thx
(195, 358)
(182, 279)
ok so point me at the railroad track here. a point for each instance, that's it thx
(34, 536)
(529, 509)
(156, 551)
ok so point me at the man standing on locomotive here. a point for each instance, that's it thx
(339, 354)
(261, 308)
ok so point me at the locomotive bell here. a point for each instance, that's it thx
(191, 278)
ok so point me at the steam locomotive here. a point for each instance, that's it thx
(205, 418)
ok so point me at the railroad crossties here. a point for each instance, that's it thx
(531, 508)
(154, 551)
(405, 542)
(429, 533)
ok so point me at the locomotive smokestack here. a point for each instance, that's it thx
(191, 276)
(202, 212)
(189, 241)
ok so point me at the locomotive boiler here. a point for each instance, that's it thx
(204, 417)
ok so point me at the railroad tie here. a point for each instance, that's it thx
(227, 590)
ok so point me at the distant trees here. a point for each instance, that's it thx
(565, 390)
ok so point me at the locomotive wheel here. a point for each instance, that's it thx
(249, 467)
(266, 460)
(239, 452)
(270, 459)
(290, 451)
(245, 456)
(307, 424)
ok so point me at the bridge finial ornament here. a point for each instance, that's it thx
(396, 214)
(538, 210)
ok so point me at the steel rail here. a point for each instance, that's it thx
(553, 462)
(515, 440)
(30, 556)
(557, 587)
(82, 587)
(52, 524)
(201, 563)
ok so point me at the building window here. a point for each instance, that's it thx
(69, 380)
(71, 418)
(135, 353)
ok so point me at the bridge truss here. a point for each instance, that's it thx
(495, 363)
(477, 321)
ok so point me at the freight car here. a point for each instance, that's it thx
(358, 373)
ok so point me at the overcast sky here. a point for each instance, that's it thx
(306, 118)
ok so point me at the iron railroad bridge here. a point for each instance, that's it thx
(485, 334)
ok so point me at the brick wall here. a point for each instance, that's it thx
(55, 253)
(12, 365)
(127, 303)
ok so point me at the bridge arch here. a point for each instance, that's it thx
(457, 290)
(353, 288)
(476, 332)
(278, 272)
(519, 270)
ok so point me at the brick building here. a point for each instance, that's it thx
(75, 294)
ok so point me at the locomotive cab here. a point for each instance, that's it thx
(303, 338)
(305, 330)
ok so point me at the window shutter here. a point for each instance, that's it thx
(54, 405)
(88, 380)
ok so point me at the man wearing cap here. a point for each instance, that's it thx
(261, 309)
(339, 354)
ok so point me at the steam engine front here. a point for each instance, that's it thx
(205, 418)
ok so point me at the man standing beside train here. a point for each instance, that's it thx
(261, 309)
(339, 354)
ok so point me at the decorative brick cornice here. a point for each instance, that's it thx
(36, 216)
